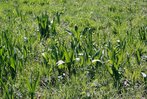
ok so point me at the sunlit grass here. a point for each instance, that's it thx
(73, 49)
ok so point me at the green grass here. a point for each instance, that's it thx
(73, 49)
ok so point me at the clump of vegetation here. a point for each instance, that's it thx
(66, 49)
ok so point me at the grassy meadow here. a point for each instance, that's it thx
(73, 49)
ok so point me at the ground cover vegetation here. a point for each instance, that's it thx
(89, 49)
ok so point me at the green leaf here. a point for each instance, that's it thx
(45, 56)
(66, 55)
(12, 62)
(109, 69)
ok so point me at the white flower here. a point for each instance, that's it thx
(80, 54)
(25, 39)
(144, 75)
(60, 62)
(118, 41)
(96, 60)
(77, 59)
